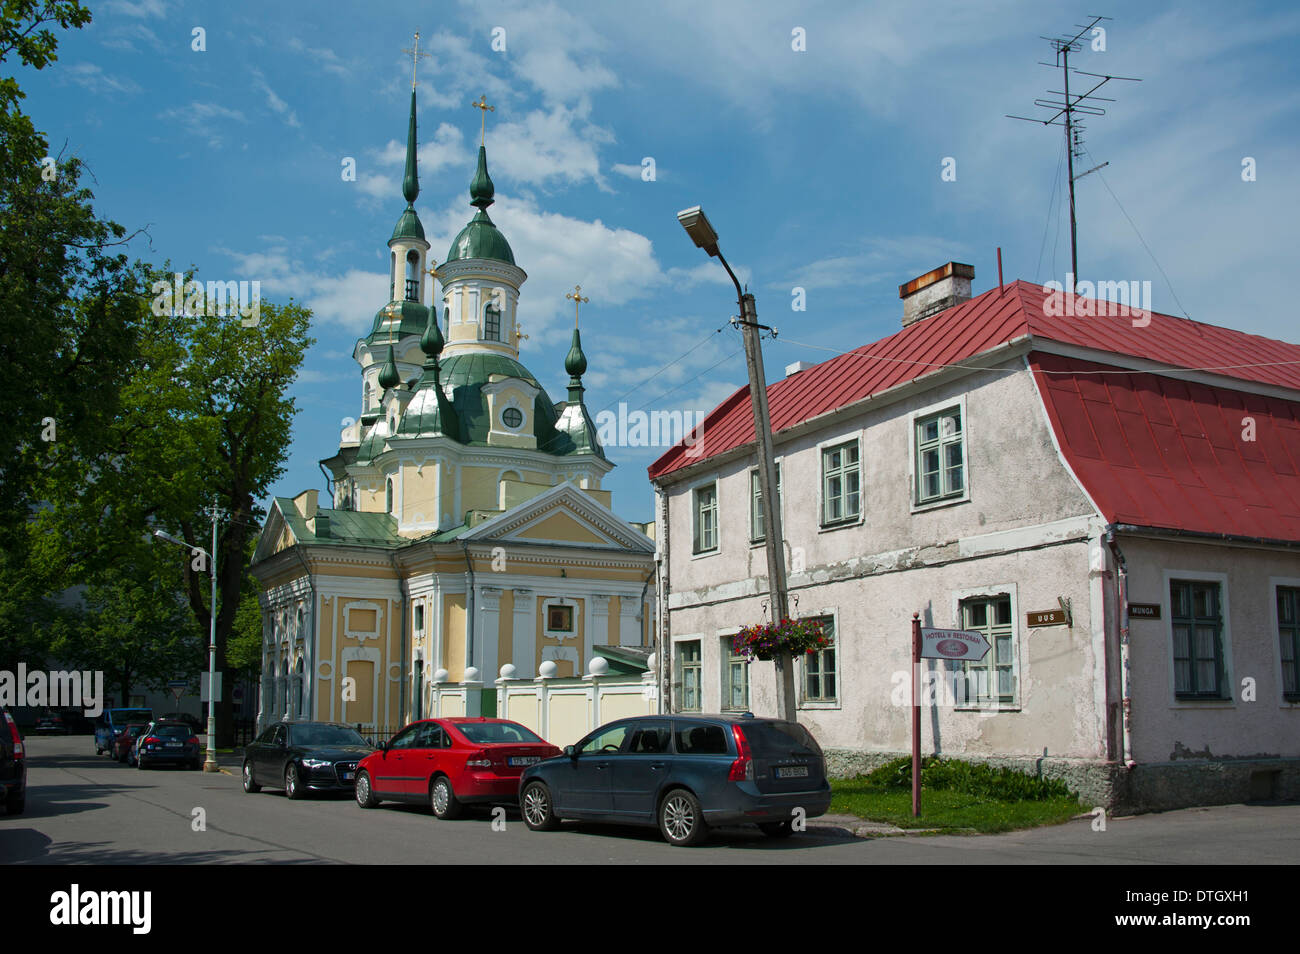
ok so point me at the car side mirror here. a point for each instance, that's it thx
(570, 751)
(383, 746)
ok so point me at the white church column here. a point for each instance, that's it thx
(628, 624)
(488, 633)
(599, 630)
(524, 635)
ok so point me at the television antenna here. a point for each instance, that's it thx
(1082, 104)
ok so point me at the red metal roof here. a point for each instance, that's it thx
(958, 334)
(1157, 451)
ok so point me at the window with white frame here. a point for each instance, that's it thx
(690, 672)
(1288, 635)
(706, 518)
(1196, 615)
(492, 323)
(841, 484)
(991, 680)
(940, 472)
(735, 678)
(757, 531)
(821, 668)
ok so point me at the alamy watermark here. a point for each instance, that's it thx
(654, 429)
(56, 689)
(1098, 300)
(181, 297)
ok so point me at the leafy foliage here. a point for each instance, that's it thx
(969, 778)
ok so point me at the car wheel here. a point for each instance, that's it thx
(781, 829)
(251, 787)
(443, 800)
(536, 807)
(365, 797)
(680, 820)
(292, 789)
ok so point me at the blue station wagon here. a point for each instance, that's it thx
(683, 773)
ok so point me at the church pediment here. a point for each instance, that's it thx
(563, 516)
(276, 535)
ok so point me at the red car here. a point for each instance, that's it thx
(449, 763)
(125, 740)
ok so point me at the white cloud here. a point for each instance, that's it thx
(136, 8)
(550, 145)
(350, 299)
(445, 150)
(276, 104)
(203, 119)
(123, 37)
(325, 58)
(93, 78)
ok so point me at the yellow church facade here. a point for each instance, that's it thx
(468, 550)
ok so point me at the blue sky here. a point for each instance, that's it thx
(820, 168)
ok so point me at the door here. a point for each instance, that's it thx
(640, 769)
(423, 758)
(394, 767)
(585, 783)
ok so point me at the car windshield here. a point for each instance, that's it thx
(776, 739)
(325, 735)
(172, 731)
(486, 733)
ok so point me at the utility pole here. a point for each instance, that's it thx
(702, 233)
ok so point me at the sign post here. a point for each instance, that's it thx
(916, 716)
(935, 644)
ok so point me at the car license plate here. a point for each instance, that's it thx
(174, 745)
(525, 760)
(792, 771)
(347, 776)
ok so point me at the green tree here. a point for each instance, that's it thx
(205, 419)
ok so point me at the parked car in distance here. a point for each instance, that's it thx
(50, 722)
(111, 722)
(449, 763)
(163, 743)
(13, 765)
(197, 725)
(304, 756)
(683, 773)
(125, 740)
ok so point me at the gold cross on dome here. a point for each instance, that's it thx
(415, 57)
(432, 270)
(483, 105)
(575, 296)
(519, 334)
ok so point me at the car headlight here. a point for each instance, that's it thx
(316, 763)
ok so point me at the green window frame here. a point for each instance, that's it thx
(757, 532)
(841, 483)
(1196, 616)
(690, 670)
(821, 668)
(492, 323)
(1288, 636)
(706, 518)
(991, 680)
(735, 676)
(940, 458)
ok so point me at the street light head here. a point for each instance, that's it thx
(698, 228)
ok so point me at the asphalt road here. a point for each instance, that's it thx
(85, 809)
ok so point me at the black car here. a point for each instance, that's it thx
(50, 722)
(13, 765)
(196, 724)
(683, 773)
(303, 756)
(163, 743)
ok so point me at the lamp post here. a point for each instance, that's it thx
(210, 763)
(702, 234)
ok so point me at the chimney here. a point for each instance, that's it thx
(797, 367)
(934, 291)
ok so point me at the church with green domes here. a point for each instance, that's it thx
(468, 541)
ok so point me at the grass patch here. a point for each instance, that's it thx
(955, 795)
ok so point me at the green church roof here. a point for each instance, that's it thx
(480, 239)
(409, 318)
(408, 226)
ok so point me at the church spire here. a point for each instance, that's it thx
(389, 376)
(411, 181)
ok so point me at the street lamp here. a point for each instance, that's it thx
(702, 233)
(210, 763)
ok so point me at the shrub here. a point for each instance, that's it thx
(970, 778)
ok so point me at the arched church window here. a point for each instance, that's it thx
(389, 498)
(365, 398)
(392, 277)
(492, 323)
(412, 275)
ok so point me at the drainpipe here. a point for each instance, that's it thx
(469, 609)
(1126, 689)
(663, 649)
(401, 588)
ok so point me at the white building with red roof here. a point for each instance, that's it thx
(999, 458)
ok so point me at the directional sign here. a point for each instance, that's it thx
(177, 683)
(953, 644)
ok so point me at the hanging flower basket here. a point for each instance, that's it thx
(793, 636)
